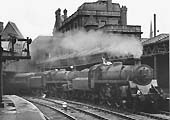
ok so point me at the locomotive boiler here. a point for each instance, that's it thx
(117, 73)
(58, 81)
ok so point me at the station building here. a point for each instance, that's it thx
(100, 15)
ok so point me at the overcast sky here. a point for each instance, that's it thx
(36, 17)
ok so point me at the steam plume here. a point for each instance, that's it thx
(104, 42)
(82, 43)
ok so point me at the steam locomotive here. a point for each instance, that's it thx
(124, 86)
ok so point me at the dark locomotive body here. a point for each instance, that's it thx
(127, 86)
(124, 86)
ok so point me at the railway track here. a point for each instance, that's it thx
(160, 116)
(50, 112)
(82, 111)
(72, 112)
(107, 114)
(163, 115)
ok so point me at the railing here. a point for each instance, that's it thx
(122, 28)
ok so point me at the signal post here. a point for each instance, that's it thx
(11, 55)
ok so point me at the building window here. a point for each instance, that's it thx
(102, 23)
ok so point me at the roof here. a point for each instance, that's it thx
(43, 38)
(158, 38)
(11, 30)
(100, 5)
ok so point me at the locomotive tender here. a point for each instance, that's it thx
(126, 86)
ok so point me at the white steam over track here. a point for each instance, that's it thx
(82, 43)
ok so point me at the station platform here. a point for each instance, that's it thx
(17, 108)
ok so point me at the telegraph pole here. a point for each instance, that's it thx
(155, 57)
(154, 25)
(1, 83)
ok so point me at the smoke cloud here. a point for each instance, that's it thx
(82, 43)
(98, 41)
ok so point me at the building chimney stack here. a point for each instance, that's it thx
(151, 32)
(154, 25)
(123, 15)
(58, 21)
(1, 27)
(109, 5)
(65, 14)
